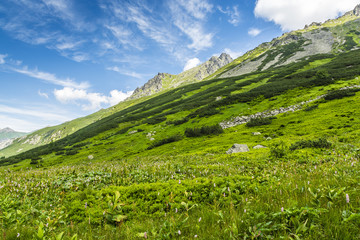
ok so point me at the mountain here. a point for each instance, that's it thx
(7, 136)
(267, 153)
(165, 81)
(333, 36)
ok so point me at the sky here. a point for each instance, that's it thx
(63, 59)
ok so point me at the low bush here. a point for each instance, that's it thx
(338, 94)
(178, 122)
(155, 120)
(259, 121)
(310, 108)
(161, 142)
(204, 131)
(319, 143)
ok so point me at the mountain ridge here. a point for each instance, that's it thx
(164, 81)
(342, 34)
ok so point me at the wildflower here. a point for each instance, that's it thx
(244, 210)
(145, 235)
(176, 210)
(195, 236)
(347, 198)
(179, 232)
(179, 181)
(199, 219)
(85, 205)
(214, 185)
(282, 209)
(224, 195)
(18, 235)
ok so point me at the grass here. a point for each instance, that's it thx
(108, 181)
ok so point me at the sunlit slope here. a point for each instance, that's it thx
(160, 125)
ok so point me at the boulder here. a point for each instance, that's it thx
(236, 148)
(259, 146)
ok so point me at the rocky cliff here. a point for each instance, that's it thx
(163, 81)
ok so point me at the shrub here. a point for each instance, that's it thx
(310, 108)
(278, 150)
(124, 130)
(319, 143)
(178, 122)
(155, 120)
(259, 121)
(204, 131)
(338, 94)
(161, 142)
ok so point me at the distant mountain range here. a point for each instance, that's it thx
(7, 135)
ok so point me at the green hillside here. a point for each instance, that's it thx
(159, 167)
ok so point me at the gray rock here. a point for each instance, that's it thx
(259, 146)
(154, 85)
(132, 132)
(236, 148)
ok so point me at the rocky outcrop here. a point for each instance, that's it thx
(237, 148)
(212, 65)
(270, 113)
(154, 85)
(5, 143)
(164, 81)
(244, 119)
(355, 11)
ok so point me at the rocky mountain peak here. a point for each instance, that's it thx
(213, 64)
(6, 130)
(355, 11)
(154, 85)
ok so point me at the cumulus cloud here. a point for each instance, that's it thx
(193, 62)
(254, 32)
(117, 96)
(88, 100)
(295, 14)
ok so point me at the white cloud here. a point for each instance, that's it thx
(127, 73)
(196, 8)
(232, 53)
(2, 58)
(118, 96)
(295, 14)
(51, 78)
(32, 113)
(191, 63)
(45, 95)
(191, 26)
(254, 32)
(233, 13)
(87, 100)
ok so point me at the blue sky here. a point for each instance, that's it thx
(63, 59)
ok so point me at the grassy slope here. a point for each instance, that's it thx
(191, 187)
